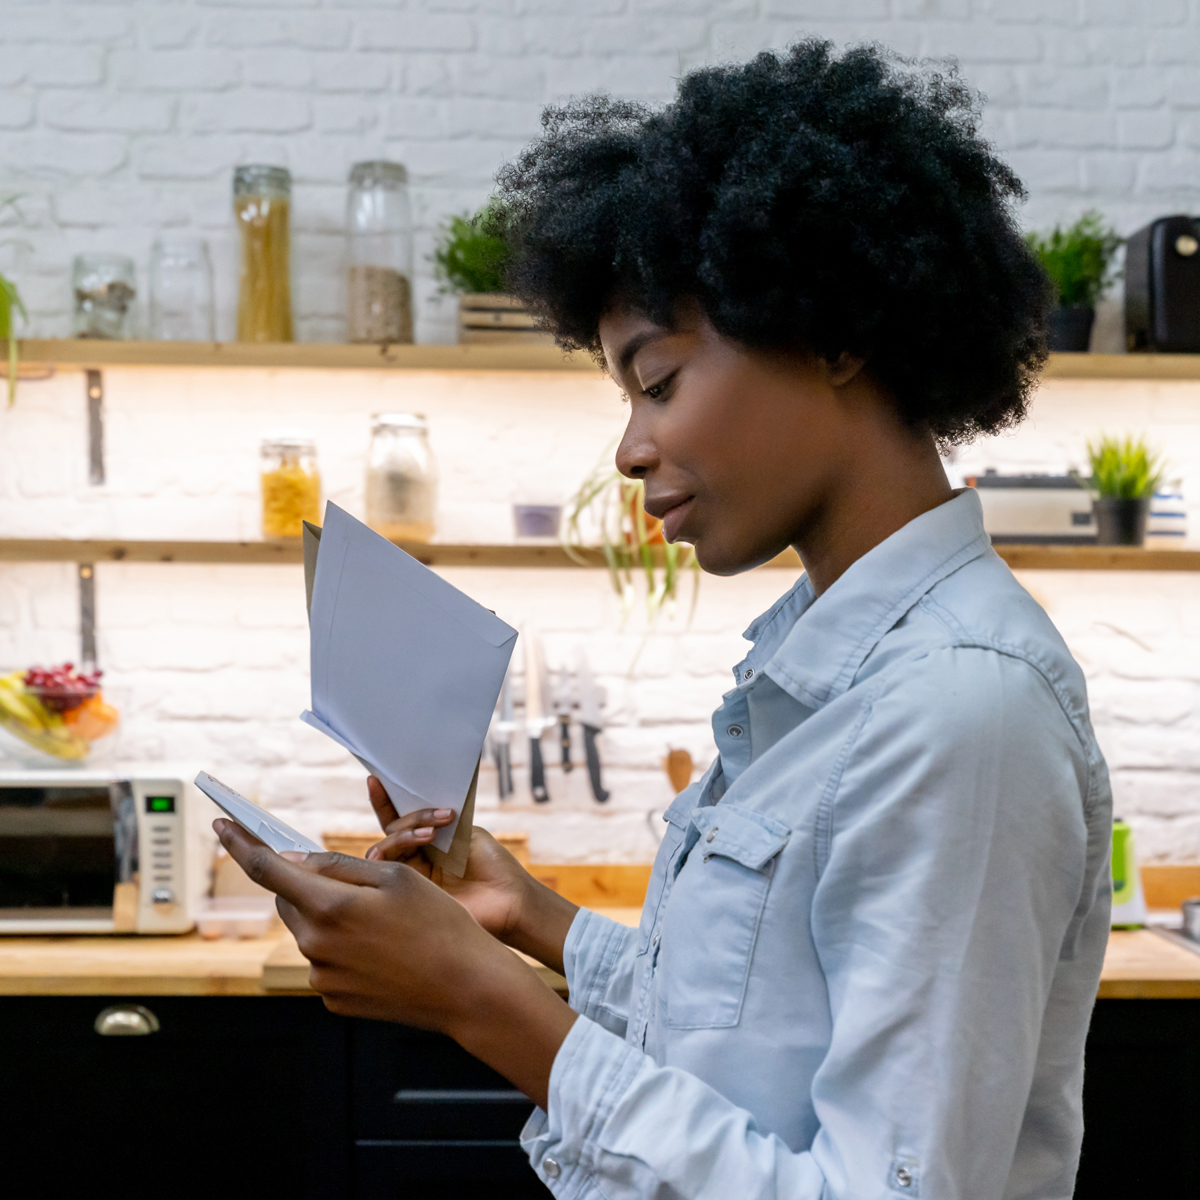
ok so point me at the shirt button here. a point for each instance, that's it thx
(735, 731)
(904, 1177)
(712, 833)
(656, 938)
(550, 1168)
(749, 673)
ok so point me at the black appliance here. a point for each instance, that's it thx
(1162, 286)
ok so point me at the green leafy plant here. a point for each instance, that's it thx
(473, 252)
(1078, 259)
(630, 539)
(1124, 468)
(10, 299)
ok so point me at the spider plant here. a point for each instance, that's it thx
(631, 541)
(10, 299)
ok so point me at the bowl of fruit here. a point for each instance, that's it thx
(57, 711)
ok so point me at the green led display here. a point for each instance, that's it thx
(160, 804)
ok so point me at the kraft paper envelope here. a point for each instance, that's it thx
(405, 672)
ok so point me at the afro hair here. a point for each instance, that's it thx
(809, 201)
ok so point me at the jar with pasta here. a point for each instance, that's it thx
(379, 250)
(291, 484)
(261, 204)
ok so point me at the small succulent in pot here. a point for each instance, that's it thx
(1125, 475)
(1078, 261)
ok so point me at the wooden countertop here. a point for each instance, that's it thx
(1140, 964)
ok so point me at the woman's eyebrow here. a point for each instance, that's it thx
(638, 342)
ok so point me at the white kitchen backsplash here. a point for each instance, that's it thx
(211, 661)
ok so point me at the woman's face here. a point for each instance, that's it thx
(740, 451)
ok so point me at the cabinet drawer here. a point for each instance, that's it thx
(447, 1170)
(154, 1114)
(413, 1086)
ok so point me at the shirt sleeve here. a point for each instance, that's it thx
(598, 958)
(954, 859)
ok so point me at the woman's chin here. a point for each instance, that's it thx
(732, 556)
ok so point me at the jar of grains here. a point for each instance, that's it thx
(291, 484)
(261, 204)
(401, 478)
(379, 254)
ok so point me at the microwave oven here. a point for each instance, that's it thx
(83, 852)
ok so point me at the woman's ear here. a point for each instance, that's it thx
(844, 368)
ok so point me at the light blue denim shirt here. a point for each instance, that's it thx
(874, 930)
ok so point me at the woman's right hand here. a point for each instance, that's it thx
(495, 889)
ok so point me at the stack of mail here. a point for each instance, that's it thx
(405, 672)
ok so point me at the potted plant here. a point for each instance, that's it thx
(470, 260)
(1079, 261)
(10, 300)
(631, 540)
(1125, 475)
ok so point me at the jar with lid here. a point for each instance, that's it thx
(291, 484)
(104, 290)
(401, 478)
(261, 204)
(379, 254)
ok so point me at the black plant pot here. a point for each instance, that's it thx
(1120, 522)
(1070, 327)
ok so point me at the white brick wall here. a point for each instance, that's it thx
(210, 663)
(119, 120)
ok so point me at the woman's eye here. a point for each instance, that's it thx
(656, 390)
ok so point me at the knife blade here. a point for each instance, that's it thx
(505, 729)
(562, 708)
(591, 701)
(536, 722)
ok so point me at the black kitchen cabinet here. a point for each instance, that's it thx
(256, 1097)
(264, 1097)
(1141, 1101)
(231, 1097)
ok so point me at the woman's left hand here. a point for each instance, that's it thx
(388, 944)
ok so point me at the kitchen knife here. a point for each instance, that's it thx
(500, 737)
(536, 721)
(591, 700)
(562, 709)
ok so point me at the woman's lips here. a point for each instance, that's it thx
(674, 517)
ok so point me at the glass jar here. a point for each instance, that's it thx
(181, 291)
(379, 254)
(291, 484)
(401, 478)
(104, 295)
(261, 204)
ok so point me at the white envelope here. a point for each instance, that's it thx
(405, 667)
(254, 818)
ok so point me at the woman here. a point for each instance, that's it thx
(874, 929)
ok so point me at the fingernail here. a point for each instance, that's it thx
(442, 814)
(373, 852)
(423, 833)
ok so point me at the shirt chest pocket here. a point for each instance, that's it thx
(712, 916)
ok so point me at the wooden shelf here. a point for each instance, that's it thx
(250, 553)
(1097, 558)
(1020, 558)
(84, 354)
(1123, 366)
(38, 355)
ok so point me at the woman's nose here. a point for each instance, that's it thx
(636, 455)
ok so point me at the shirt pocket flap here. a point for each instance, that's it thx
(740, 834)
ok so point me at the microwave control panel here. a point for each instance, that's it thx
(162, 884)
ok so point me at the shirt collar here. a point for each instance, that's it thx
(814, 648)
